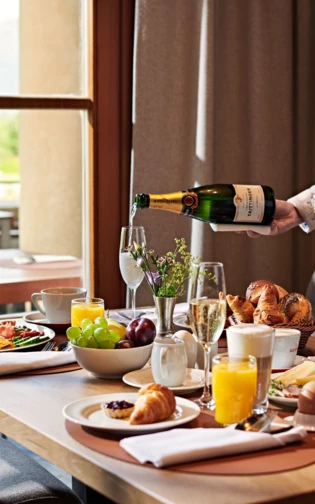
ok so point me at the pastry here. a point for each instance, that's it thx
(118, 409)
(242, 309)
(154, 404)
(267, 311)
(296, 307)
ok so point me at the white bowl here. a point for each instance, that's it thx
(285, 349)
(111, 364)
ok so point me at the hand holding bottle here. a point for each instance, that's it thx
(286, 217)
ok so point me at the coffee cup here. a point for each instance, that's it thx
(169, 361)
(57, 302)
(286, 347)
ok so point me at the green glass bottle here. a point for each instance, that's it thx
(217, 203)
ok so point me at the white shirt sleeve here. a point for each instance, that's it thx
(304, 202)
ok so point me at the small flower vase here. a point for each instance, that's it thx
(164, 309)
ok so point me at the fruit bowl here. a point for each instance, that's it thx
(112, 363)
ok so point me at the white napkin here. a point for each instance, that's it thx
(186, 445)
(16, 362)
(264, 230)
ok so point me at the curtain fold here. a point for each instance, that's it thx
(223, 93)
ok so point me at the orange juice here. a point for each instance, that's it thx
(90, 309)
(234, 387)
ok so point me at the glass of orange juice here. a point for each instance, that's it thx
(234, 380)
(89, 308)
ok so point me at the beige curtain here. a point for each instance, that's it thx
(224, 92)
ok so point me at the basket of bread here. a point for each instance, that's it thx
(268, 303)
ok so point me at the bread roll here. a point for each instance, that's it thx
(296, 307)
(255, 289)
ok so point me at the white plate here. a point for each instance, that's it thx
(87, 412)
(298, 360)
(194, 379)
(285, 401)
(33, 327)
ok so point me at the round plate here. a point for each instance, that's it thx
(298, 360)
(87, 412)
(38, 318)
(194, 379)
(34, 327)
(286, 401)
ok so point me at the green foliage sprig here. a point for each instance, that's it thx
(166, 275)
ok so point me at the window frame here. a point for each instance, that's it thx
(108, 138)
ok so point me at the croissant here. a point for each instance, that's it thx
(243, 309)
(267, 311)
(154, 404)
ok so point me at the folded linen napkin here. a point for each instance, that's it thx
(17, 362)
(186, 445)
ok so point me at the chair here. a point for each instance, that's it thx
(24, 480)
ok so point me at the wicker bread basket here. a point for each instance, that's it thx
(306, 329)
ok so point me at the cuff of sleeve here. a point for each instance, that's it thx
(304, 202)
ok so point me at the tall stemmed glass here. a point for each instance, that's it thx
(207, 312)
(131, 273)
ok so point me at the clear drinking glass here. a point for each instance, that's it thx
(130, 271)
(207, 312)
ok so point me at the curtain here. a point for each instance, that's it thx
(224, 93)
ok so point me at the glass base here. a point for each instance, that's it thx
(209, 405)
(259, 409)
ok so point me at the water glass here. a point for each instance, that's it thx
(129, 269)
(257, 340)
(234, 380)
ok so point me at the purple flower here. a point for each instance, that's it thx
(154, 278)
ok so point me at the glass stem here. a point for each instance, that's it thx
(206, 396)
(133, 302)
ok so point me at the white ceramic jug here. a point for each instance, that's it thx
(169, 361)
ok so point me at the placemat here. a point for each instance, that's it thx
(264, 462)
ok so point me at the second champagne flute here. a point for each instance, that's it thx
(131, 273)
(207, 314)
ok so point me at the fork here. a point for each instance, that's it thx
(49, 346)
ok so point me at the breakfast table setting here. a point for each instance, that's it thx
(171, 401)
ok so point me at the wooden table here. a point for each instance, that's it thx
(18, 282)
(30, 413)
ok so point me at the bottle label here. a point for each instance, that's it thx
(249, 201)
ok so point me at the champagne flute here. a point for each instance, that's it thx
(130, 271)
(207, 312)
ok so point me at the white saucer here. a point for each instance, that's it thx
(38, 318)
(194, 380)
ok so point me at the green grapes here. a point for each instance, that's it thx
(85, 322)
(73, 333)
(93, 335)
(101, 322)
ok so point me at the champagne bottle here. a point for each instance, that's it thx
(217, 203)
